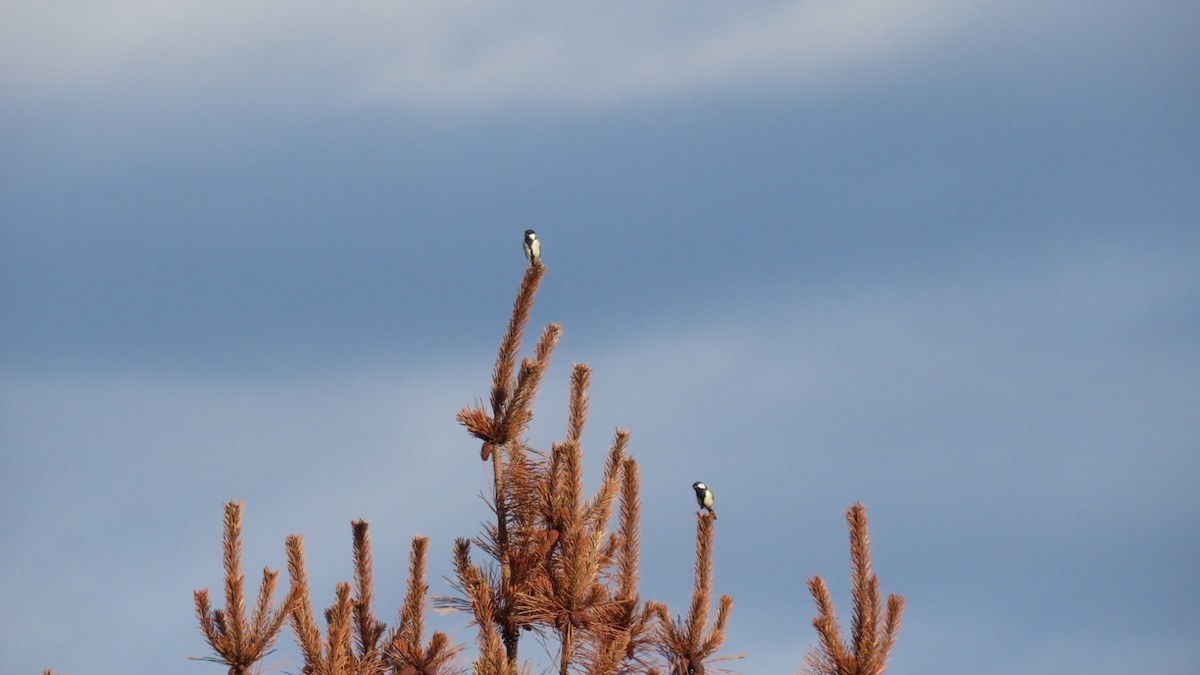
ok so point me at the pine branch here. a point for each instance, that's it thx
(682, 642)
(871, 644)
(826, 622)
(368, 629)
(339, 659)
(598, 510)
(519, 412)
(406, 653)
(304, 624)
(630, 532)
(506, 359)
(716, 637)
(702, 588)
(895, 609)
(581, 377)
(864, 588)
(412, 621)
(239, 642)
(480, 600)
(235, 601)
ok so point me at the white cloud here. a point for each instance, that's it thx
(453, 55)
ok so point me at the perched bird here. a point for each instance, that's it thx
(704, 497)
(533, 248)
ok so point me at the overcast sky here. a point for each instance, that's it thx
(937, 256)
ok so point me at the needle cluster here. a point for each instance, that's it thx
(240, 641)
(873, 629)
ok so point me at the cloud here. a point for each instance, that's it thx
(581, 57)
(464, 55)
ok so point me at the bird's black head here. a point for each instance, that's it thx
(699, 487)
(530, 235)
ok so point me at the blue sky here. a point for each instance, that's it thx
(940, 257)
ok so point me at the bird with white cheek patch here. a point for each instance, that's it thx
(704, 497)
(533, 248)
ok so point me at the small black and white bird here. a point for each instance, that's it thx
(533, 248)
(704, 497)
